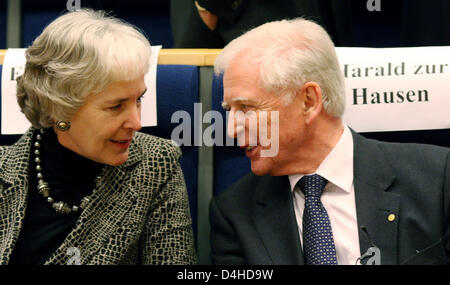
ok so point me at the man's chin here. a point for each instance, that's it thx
(259, 168)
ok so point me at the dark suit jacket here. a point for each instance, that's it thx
(254, 221)
(138, 214)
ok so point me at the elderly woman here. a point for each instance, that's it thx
(82, 186)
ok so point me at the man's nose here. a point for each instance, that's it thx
(231, 125)
(236, 127)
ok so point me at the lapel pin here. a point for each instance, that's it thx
(391, 217)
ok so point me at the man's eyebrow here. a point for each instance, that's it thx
(239, 99)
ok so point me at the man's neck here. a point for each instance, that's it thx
(320, 141)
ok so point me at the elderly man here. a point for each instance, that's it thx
(328, 196)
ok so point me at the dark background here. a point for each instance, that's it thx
(152, 17)
(399, 23)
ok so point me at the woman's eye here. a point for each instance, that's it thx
(140, 99)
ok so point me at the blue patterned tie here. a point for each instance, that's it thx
(318, 243)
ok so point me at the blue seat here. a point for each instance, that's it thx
(230, 162)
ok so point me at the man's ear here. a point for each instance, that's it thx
(312, 101)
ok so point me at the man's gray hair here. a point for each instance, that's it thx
(78, 54)
(289, 54)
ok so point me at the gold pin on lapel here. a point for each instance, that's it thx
(391, 217)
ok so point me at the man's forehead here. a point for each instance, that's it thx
(241, 66)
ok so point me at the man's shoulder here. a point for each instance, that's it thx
(412, 151)
(402, 158)
(401, 150)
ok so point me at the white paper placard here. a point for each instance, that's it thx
(394, 89)
(387, 89)
(149, 111)
(15, 122)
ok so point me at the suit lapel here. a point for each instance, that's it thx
(377, 209)
(113, 198)
(110, 202)
(275, 221)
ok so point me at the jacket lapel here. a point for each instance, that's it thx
(13, 193)
(377, 209)
(113, 198)
(275, 221)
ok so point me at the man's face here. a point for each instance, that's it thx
(242, 92)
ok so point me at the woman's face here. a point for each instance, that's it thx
(102, 129)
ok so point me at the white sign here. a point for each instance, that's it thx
(387, 89)
(149, 112)
(15, 122)
(394, 89)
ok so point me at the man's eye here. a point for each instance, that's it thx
(115, 107)
(226, 107)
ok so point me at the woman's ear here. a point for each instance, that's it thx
(312, 101)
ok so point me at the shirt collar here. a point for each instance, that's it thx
(337, 167)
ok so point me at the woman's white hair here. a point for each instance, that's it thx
(78, 54)
(290, 53)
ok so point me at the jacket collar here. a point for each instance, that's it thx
(275, 221)
(14, 161)
(113, 188)
(373, 178)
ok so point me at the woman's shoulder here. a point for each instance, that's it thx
(20, 146)
(14, 157)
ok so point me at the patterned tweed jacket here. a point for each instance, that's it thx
(138, 214)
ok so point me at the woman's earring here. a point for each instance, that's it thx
(63, 125)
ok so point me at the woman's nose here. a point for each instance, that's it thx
(134, 119)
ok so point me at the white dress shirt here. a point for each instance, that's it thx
(338, 198)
